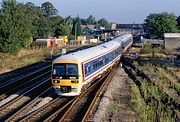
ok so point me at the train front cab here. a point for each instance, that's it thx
(66, 77)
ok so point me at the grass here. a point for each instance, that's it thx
(171, 81)
(144, 103)
(151, 94)
(154, 51)
(139, 105)
(27, 57)
(113, 108)
(23, 58)
(165, 78)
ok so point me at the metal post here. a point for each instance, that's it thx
(75, 32)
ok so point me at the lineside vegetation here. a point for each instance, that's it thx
(21, 23)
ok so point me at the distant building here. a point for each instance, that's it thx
(172, 40)
(51, 42)
(81, 39)
(130, 28)
(88, 27)
(114, 26)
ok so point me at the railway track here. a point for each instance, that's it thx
(32, 106)
(138, 76)
(61, 107)
(19, 89)
(10, 85)
(82, 106)
(96, 98)
(17, 73)
(16, 104)
(19, 92)
(48, 109)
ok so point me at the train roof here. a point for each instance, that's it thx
(86, 54)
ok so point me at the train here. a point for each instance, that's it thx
(74, 71)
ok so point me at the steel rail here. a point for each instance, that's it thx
(22, 85)
(8, 85)
(81, 95)
(15, 116)
(105, 83)
(4, 107)
(45, 108)
(54, 115)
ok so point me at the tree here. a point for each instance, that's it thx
(69, 24)
(91, 20)
(178, 23)
(30, 4)
(104, 23)
(159, 23)
(77, 29)
(69, 20)
(84, 21)
(43, 19)
(34, 14)
(23, 25)
(49, 9)
(15, 27)
(56, 23)
(63, 30)
(52, 19)
(64, 27)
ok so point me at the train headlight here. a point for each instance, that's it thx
(74, 81)
(56, 81)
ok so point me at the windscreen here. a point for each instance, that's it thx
(65, 70)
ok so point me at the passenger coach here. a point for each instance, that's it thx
(71, 72)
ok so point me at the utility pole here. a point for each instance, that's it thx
(75, 32)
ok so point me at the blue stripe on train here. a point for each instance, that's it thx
(110, 55)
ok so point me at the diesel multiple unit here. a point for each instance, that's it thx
(72, 72)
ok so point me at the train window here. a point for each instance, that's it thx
(101, 62)
(98, 64)
(120, 51)
(116, 52)
(59, 70)
(113, 55)
(89, 69)
(86, 70)
(65, 70)
(106, 59)
(71, 70)
(95, 64)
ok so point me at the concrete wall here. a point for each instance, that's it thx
(172, 43)
(177, 35)
(172, 40)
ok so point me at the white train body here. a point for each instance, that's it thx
(72, 71)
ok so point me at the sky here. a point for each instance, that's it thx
(116, 11)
